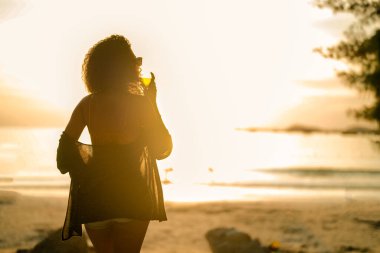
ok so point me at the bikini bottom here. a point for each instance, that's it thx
(106, 223)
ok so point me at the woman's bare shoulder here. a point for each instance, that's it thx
(82, 106)
(86, 98)
(83, 103)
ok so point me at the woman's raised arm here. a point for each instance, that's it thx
(158, 136)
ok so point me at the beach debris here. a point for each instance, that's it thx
(53, 244)
(274, 246)
(6, 201)
(375, 224)
(351, 249)
(230, 240)
(166, 180)
(211, 172)
(8, 197)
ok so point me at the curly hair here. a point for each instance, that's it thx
(109, 64)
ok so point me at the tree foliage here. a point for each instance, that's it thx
(360, 49)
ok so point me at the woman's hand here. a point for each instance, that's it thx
(151, 90)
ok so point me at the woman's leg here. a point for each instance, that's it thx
(128, 237)
(101, 238)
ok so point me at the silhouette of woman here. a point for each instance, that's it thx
(115, 187)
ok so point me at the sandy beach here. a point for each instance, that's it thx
(311, 226)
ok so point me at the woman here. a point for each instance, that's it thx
(115, 187)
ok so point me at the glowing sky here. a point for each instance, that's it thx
(219, 64)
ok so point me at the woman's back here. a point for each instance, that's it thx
(113, 117)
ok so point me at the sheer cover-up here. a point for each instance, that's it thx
(109, 181)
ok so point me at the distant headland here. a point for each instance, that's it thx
(299, 128)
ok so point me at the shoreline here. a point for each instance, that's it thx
(194, 193)
(311, 225)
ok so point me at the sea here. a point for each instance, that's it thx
(242, 166)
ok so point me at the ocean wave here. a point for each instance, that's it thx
(34, 182)
(299, 185)
(34, 186)
(312, 172)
